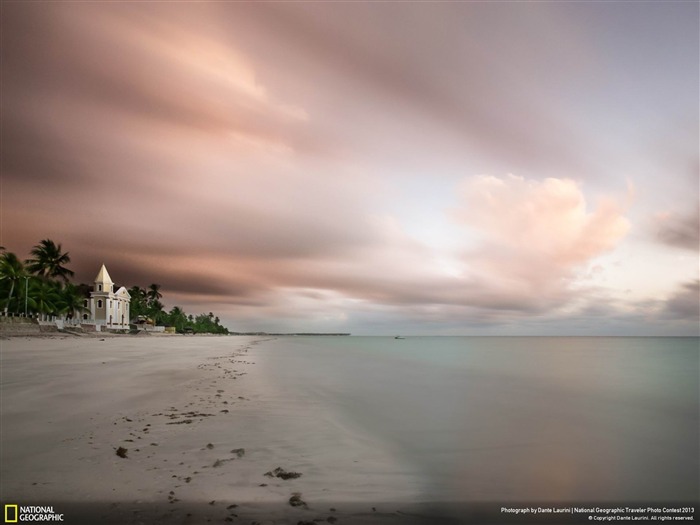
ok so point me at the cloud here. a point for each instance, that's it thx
(678, 230)
(107, 88)
(453, 78)
(253, 156)
(280, 260)
(685, 303)
(534, 235)
(547, 219)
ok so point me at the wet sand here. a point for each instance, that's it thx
(178, 430)
(196, 430)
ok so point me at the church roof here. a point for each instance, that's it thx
(124, 292)
(103, 276)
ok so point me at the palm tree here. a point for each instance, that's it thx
(155, 311)
(48, 261)
(137, 292)
(44, 297)
(176, 310)
(71, 301)
(11, 271)
(177, 318)
(154, 292)
(138, 305)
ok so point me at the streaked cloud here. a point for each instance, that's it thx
(679, 230)
(277, 159)
(685, 302)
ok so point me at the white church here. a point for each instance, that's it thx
(108, 309)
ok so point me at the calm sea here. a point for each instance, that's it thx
(516, 419)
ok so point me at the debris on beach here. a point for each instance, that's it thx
(121, 452)
(296, 501)
(282, 474)
(210, 446)
(239, 452)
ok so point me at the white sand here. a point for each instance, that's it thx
(68, 403)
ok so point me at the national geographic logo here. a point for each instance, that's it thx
(10, 513)
(15, 513)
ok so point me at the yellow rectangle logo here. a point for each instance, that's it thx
(10, 513)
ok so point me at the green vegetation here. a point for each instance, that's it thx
(48, 261)
(40, 287)
(145, 303)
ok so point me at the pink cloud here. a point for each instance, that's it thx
(534, 234)
(244, 154)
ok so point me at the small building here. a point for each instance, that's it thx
(108, 308)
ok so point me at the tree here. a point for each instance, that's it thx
(12, 271)
(207, 323)
(154, 293)
(155, 311)
(48, 261)
(138, 305)
(177, 318)
(71, 301)
(44, 297)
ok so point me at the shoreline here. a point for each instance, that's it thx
(202, 420)
(62, 334)
(199, 425)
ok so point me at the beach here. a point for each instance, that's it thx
(199, 427)
(273, 430)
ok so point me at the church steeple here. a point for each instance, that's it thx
(103, 282)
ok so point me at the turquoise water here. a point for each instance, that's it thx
(480, 419)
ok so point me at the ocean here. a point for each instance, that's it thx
(566, 419)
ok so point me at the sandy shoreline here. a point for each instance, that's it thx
(200, 424)
(201, 420)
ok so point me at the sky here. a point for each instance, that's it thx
(436, 168)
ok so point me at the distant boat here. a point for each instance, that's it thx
(399, 337)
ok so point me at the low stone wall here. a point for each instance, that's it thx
(19, 326)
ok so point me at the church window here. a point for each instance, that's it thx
(99, 287)
(99, 303)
